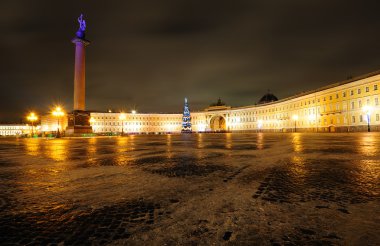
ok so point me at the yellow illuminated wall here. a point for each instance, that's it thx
(337, 107)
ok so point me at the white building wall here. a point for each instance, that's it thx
(335, 106)
(15, 130)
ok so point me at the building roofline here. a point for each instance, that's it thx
(343, 82)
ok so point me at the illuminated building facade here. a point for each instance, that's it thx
(341, 107)
(136, 123)
(16, 129)
(50, 123)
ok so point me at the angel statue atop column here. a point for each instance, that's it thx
(82, 27)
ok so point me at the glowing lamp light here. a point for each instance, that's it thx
(122, 116)
(92, 120)
(312, 117)
(259, 124)
(202, 127)
(367, 109)
(133, 112)
(58, 112)
(32, 117)
(295, 118)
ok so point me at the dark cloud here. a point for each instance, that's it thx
(151, 54)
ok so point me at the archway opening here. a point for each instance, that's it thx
(218, 124)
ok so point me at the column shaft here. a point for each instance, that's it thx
(79, 77)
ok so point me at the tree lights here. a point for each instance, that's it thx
(186, 119)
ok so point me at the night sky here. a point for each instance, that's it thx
(149, 55)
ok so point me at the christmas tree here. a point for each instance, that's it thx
(186, 118)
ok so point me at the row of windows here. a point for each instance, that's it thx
(338, 106)
(113, 129)
(361, 117)
(290, 106)
(136, 123)
(300, 104)
(7, 133)
(133, 118)
(14, 127)
(302, 123)
(284, 116)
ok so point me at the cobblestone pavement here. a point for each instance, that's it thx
(243, 189)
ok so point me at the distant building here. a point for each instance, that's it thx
(16, 129)
(342, 106)
(50, 124)
(136, 123)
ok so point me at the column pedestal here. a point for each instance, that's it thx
(78, 123)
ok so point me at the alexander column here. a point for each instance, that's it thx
(79, 119)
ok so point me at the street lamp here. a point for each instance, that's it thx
(259, 124)
(368, 110)
(92, 121)
(295, 118)
(133, 112)
(58, 113)
(122, 118)
(32, 117)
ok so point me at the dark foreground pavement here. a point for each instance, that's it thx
(208, 189)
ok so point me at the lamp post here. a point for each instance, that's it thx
(259, 125)
(92, 121)
(58, 113)
(32, 117)
(367, 110)
(295, 118)
(122, 118)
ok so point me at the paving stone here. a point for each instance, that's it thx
(45, 199)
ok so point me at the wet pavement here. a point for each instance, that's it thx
(239, 189)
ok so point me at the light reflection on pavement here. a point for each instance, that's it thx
(259, 188)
